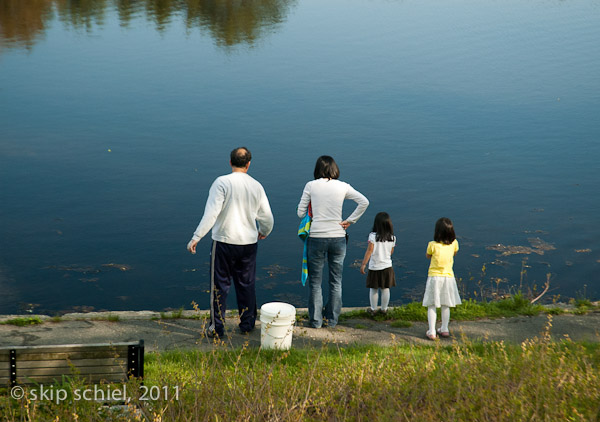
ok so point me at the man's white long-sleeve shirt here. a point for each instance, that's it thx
(236, 203)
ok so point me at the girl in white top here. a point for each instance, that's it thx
(379, 252)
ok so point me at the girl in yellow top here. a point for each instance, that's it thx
(441, 290)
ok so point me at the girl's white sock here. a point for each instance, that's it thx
(385, 299)
(373, 297)
(431, 318)
(445, 318)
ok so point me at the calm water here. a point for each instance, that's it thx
(116, 116)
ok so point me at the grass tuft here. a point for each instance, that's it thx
(178, 314)
(23, 321)
(401, 324)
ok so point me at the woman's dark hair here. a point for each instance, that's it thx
(383, 228)
(444, 231)
(240, 157)
(326, 168)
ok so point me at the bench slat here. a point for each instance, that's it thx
(94, 378)
(98, 354)
(34, 372)
(92, 346)
(69, 356)
(67, 364)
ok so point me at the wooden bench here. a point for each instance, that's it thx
(94, 363)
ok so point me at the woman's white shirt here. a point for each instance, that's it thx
(326, 197)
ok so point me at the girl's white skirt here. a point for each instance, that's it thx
(441, 291)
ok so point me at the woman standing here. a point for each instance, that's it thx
(327, 237)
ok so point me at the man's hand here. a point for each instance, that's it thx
(191, 246)
(261, 236)
(345, 224)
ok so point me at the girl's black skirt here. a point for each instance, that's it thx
(381, 279)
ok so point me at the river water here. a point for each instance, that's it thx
(116, 116)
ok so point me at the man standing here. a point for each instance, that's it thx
(236, 203)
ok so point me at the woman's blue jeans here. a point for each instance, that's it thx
(332, 249)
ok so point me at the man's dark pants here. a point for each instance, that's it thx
(237, 263)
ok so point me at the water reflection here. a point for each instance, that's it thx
(82, 14)
(236, 21)
(22, 22)
(229, 22)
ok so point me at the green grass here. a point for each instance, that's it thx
(468, 310)
(583, 302)
(554, 310)
(583, 306)
(23, 321)
(173, 315)
(537, 380)
(109, 317)
(401, 324)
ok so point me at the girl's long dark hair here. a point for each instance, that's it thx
(444, 231)
(383, 228)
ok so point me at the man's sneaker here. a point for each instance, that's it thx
(212, 333)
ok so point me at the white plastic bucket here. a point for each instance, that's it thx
(277, 325)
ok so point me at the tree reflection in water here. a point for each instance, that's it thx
(22, 22)
(229, 22)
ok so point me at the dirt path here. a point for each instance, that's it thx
(172, 334)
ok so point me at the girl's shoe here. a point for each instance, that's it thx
(430, 336)
(444, 334)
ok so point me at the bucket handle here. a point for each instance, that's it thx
(291, 329)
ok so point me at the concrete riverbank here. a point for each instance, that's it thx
(163, 332)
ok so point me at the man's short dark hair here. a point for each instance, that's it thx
(326, 168)
(240, 157)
